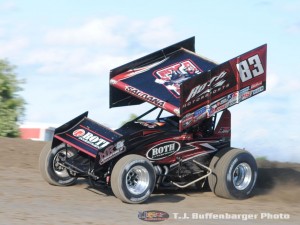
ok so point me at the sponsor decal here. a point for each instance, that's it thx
(255, 85)
(145, 96)
(210, 88)
(187, 120)
(200, 114)
(145, 124)
(153, 216)
(90, 138)
(150, 125)
(223, 103)
(258, 90)
(247, 92)
(244, 90)
(197, 99)
(215, 83)
(163, 150)
(172, 76)
(192, 118)
(111, 152)
(244, 93)
(224, 130)
(78, 132)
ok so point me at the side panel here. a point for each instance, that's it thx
(223, 128)
(223, 86)
(168, 148)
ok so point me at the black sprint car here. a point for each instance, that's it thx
(191, 145)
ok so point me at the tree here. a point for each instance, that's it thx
(11, 104)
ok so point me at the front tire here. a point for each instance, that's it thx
(50, 169)
(133, 179)
(234, 173)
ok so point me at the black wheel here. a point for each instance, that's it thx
(234, 173)
(133, 179)
(50, 168)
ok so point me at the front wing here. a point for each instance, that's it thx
(91, 138)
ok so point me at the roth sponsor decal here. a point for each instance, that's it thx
(145, 96)
(163, 150)
(90, 138)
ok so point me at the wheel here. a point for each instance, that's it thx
(234, 173)
(133, 179)
(49, 166)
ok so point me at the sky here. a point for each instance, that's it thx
(65, 49)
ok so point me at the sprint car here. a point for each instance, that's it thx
(190, 145)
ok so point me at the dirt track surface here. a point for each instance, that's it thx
(25, 198)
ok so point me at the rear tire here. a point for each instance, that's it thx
(133, 179)
(234, 173)
(50, 170)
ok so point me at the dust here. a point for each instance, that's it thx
(25, 198)
(278, 181)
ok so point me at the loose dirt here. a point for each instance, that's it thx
(25, 198)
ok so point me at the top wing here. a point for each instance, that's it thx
(160, 83)
(118, 97)
(188, 85)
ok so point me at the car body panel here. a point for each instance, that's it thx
(88, 136)
(190, 86)
(198, 99)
